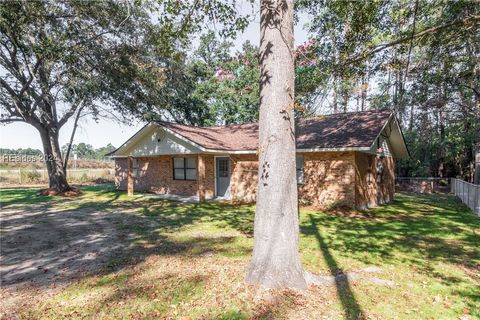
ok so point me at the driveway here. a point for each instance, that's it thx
(44, 248)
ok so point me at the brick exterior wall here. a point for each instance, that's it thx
(244, 177)
(155, 174)
(330, 178)
(209, 176)
(121, 173)
(372, 188)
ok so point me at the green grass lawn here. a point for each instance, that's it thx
(188, 261)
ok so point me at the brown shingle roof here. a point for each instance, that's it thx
(341, 130)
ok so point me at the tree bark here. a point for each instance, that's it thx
(57, 177)
(365, 80)
(476, 179)
(72, 136)
(276, 262)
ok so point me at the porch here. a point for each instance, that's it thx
(183, 177)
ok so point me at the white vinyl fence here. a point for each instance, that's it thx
(469, 193)
(37, 176)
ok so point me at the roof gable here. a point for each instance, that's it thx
(152, 140)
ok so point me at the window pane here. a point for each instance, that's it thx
(300, 176)
(223, 168)
(179, 174)
(135, 163)
(178, 162)
(299, 160)
(191, 163)
(299, 165)
(191, 174)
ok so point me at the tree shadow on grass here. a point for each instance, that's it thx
(22, 196)
(418, 232)
(349, 303)
(46, 245)
(101, 233)
(414, 229)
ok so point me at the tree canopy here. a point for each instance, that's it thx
(102, 58)
(419, 59)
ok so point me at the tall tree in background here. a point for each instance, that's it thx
(50, 57)
(227, 85)
(418, 58)
(276, 262)
(57, 58)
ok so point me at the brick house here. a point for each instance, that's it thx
(342, 159)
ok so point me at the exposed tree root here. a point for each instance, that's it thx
(72, 192)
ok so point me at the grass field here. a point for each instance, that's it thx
(188, 261)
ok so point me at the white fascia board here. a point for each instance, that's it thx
(120, 152)
(226, 152)
(231, 152)
(400, 133)
(363, 149)
(381, 131)
(394, 119)
(334, 149)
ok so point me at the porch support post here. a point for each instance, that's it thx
(201, 177)
(130, 176)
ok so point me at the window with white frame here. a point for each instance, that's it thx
(184, 169)
(299, 167)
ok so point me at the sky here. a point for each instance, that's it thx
(99, 134)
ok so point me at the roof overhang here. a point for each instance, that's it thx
(391, 130)
(393, 133)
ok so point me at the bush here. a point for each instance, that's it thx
(443, 182)
(30, 176)
(84, 178)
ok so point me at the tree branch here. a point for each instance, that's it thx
(69, 113)
(381, 47)
(8, 120)
(75, 124)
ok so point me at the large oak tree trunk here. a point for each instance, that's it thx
(57, 178)
(275, 262)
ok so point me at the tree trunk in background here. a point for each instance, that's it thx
(441, 153)
(57, 178)
(477, 164)
(410, 122)
(72, 136)
(346, 98)
(335, 93)
(276, 262)
(365, 80)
